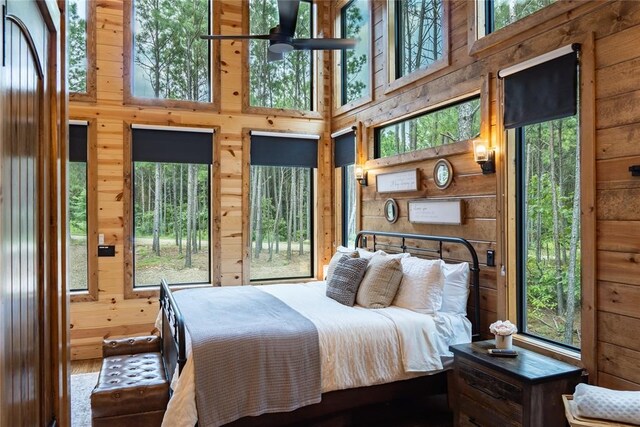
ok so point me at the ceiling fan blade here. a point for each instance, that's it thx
(288, 16)
(323, 44)
(273, 56)
(237, 37)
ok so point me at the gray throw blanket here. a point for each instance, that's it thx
(251, 352)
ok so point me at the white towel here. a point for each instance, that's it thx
(599, 402)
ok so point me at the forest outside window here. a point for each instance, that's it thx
(281, 213)
(355, 69)
(170, 61)
(541, 108)
(453, 123)
(286, 83)
(78, 46)
(171, 206)
(78, 208)
(498, 14)
(420, 39)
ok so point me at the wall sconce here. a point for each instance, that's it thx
(361, 175)
(484, 156)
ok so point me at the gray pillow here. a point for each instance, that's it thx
(345, 280)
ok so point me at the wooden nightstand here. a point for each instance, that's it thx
(498, 391)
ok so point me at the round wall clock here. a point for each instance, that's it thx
(442, 174)
(391, 210)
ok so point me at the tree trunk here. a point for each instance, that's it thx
(180, 210)
(301, 213)
(277, 186)
(573, 273)
(190, 225)
(556, 220)
(258, 205)
(291, 210)
(157, 210)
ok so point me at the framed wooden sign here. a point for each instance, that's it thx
(426, 211)
(395, 182)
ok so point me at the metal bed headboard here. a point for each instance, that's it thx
(474, 267)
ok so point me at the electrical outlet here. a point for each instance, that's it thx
(491, 262)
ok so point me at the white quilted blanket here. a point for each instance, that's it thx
(599, 402)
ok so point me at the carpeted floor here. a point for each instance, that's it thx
(81, 386)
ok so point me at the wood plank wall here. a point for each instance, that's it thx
(615, 26)
(112, 314)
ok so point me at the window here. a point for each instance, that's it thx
(281, 200)
(447, 125)
(541, 108)
(419, 38)
(78, 204)
(77, 39)
(171, 206)
(285, 83)
(355, 71)
(500, 13)
(344, 161)
(170, 59)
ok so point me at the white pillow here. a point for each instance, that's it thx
(365, 253)
(422, 285)
(456, 288)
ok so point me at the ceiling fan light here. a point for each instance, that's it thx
(279, 47)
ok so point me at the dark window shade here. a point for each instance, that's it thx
(169, 146)
(78, 143)
(547, 91)
(276, 151)
(344, 151)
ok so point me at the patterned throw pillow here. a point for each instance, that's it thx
(341, 251)
(345, 280)
(380, 282)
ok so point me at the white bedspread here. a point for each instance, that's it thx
(358, 346)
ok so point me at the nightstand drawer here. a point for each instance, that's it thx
(487, 389)
(474, 414)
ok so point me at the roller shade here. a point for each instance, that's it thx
(78, 143)
(270, 150)
(547, 91)
(171, 146)
(344, 151)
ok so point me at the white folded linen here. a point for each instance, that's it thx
(599, 402)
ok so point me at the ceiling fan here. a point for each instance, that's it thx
(281, 36)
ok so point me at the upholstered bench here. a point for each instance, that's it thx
(132, 388)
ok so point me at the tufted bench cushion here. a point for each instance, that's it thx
(132, 388)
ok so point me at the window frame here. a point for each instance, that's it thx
(506, 197)
(420, 153)
(130, 290)
(91, 293)
(91, 93)
(395, 82)
(338, 59)
(317, 92)
(129, 99)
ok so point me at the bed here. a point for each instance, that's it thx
(392, 352)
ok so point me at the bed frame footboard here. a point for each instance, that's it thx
(173, 337)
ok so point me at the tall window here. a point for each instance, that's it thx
(170, 59)
(500, 13)
(77, 39)
(281, 214)
(447, 125)
(541, 106)
(78, 229)
(355, 71)
(344, 160)
(171, 206)
(419, 34)
(288, 82)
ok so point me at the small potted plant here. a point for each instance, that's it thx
(503, 331)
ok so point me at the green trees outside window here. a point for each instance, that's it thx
(501, 13)
(355, 69)
(171, 223)
(287, 83)
(78, 254)
(281, 222)
(170, 59)
(348, 206)
(77, 40)
(548, 165)
(419, 38)
(447, 125)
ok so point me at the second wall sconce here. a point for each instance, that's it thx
(484, 156)
(361, 175)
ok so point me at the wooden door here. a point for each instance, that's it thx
(26, 373)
